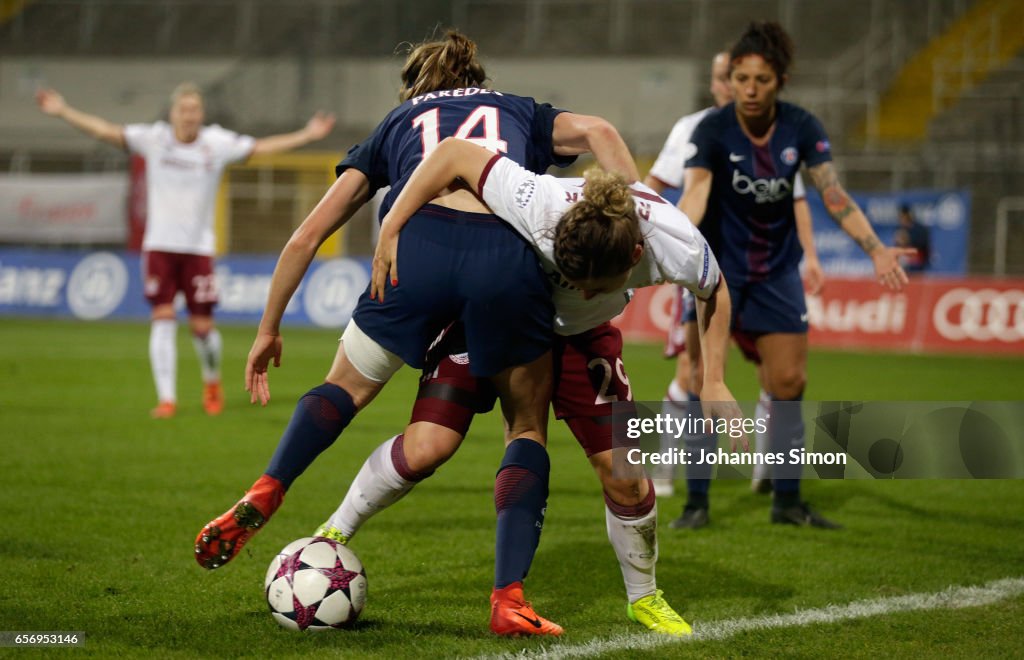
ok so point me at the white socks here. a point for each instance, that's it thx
(208, 350)
(163, 358)
(673, 404)
(377, 486)
(761, 470)
(636, 546)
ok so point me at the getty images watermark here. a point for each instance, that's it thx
(692, 426)
(823, 440)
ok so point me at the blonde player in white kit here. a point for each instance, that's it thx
(184, 162)
(667, 174)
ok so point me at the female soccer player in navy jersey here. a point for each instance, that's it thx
(667, 174)
(597, 240)
(466, 265)
(738, 184)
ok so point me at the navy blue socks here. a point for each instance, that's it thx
(786, 432)
(698, 477)
(520, 496)
(319, 418)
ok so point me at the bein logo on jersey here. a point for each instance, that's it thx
(763, 190)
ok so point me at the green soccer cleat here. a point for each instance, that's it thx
(333, 533)
(655, 613)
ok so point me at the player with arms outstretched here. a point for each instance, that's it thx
(184, 163)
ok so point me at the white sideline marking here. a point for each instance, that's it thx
(950, 598)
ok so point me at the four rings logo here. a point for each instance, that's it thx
(980, 315)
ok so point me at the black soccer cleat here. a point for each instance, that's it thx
(801, 515)
(694, 517)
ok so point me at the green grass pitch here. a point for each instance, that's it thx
(101, 504)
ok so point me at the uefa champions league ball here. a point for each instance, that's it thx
(315, 584)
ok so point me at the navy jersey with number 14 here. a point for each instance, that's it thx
(514, 126)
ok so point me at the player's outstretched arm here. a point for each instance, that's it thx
(52, 103)
(577, 134)
(851, 219)
(344, 198)
(317, 128)
(814, 275)
(713, 320)
(696, 188)
(452, 159)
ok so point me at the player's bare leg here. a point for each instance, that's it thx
(785, 376)
(520, 496)
(631, 518)
(163, 359)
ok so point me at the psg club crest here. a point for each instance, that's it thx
(789, 156)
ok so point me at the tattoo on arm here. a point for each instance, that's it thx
(868, 243)
(837, 202)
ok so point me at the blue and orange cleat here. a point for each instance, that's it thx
(223, 538)
(511, 616)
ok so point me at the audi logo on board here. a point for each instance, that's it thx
(980, 315)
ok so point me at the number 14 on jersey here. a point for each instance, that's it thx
(480, 128)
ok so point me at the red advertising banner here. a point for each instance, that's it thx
(957, 315)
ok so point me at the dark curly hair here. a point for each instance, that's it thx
(769, 40)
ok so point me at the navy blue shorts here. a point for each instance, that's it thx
(470, 267)
(767, 307)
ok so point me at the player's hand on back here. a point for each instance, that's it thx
(50, 101)
(385, 262)
(887, 266)
(265, 347)
(717, 402)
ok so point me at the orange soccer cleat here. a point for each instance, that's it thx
(164, 410)
(511, 616)
(213, 399)
(221, 539)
